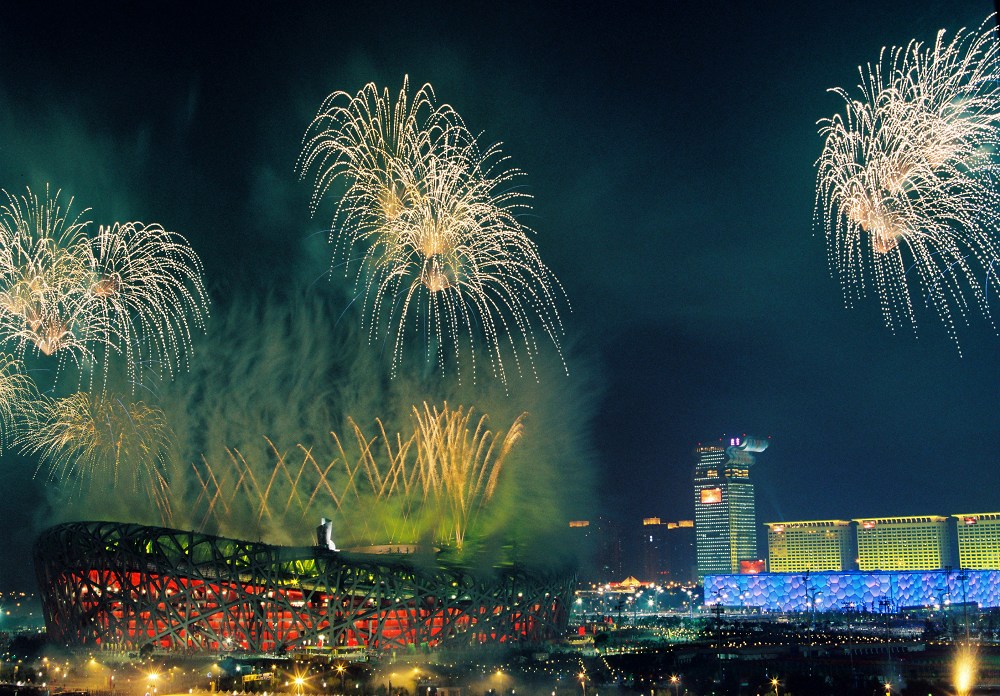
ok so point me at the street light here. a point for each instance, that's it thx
(964, 670)
(775, 683)
(341, 670)
(583, 682)
(675, 682)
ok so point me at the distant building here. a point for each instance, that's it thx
(979, 541)
(667, 551)
(653, 550)
(818, 545)
(725, 514)
(903, 543)
(681, 558)
(599, 546)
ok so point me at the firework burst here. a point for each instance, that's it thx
(95, 439)
(133, 290)
(147, 289)
(431, 222)
(906, 182)
(44, 277)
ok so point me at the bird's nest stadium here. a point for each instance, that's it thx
(131, 587)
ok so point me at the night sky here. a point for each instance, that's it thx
(670, 153)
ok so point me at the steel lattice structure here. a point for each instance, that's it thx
(126, 586)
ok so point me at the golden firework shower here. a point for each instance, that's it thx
(18, 397)
(430, 222)
(907, 182)
(459, 464)
(429, 484)
(133, 290)
(95, 439)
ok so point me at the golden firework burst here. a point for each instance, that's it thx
(431, 223)
(907, 180)
(133, 290)
(102, 439)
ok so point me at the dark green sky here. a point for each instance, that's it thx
(669, 148)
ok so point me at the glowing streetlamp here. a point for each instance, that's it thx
(341, 670)
(675, 681)
(583, 682)
(964, 670)
(775, 683)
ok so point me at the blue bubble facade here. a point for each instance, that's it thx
(880, 591)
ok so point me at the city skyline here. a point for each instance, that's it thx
(669, 155)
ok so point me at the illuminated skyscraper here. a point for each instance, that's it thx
(725, 513)
(818, 545)
(979, 541)
(903, 543)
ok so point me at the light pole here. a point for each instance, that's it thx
(341, 670)
(583, 682)
(675, 682)
(775, 683)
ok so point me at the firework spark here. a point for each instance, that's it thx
(133, 290)
(434, 221)
(94, 439)
(907, 179)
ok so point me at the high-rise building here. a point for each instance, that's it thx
(979, 541)
(681, 565)
(818, 545)
(599, 546)
(903, 543)
(725, 514)
(653, 549)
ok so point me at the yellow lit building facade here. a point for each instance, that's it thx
(903, 543)
(979, 541)
(818, 545)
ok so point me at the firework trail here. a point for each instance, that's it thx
(906, 182)
(87, 439)
(133, 290)
(432, 220)
(430, 483)
(460, 466)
